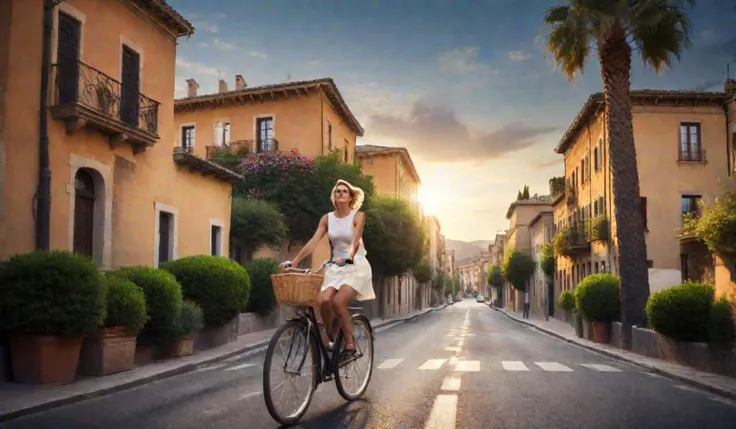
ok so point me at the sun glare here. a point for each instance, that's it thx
(428, 200)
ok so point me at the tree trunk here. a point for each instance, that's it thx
(615, 59)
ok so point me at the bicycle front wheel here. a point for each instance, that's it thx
(353, 378)
(291, 360)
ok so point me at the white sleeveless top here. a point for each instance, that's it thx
(340, 231)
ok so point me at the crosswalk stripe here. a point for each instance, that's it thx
(433, 364)
(553, 366)
(241, 366)
(390, 363)
(514, 365)
(600, 367)
(468, 366)
(451, 384)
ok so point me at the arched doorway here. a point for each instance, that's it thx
(84, 212)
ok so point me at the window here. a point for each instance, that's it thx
(187, 137)
(329, 136)
(650, 263)
(689, 205)
(596, 268)
(603, 266)
(222, 133)
(690, 144)
(165, 225)
(216, 240)
(68, 52)
(347, 145)
(644, 212)
(596, 159)
(264, 135)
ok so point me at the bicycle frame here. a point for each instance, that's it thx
(327, 357)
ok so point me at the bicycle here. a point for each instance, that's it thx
(300, 290)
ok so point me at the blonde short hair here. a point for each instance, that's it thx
(356, 194)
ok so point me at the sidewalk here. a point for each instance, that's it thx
(714, 383)
(21, 399)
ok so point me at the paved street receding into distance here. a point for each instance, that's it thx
(464, 367)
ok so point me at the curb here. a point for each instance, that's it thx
(189, 367)
(707, 387)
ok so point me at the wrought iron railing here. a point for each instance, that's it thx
(692, 154)
(244, 148)
(80, 84)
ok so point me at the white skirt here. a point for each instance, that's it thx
(358, 276)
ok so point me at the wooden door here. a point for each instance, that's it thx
(130, 91)
(68, 46)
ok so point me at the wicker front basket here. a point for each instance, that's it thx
(298, 290)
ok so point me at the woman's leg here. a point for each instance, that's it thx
(340, 308)
(325, 309)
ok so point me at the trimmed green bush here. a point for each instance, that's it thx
(597, 298)
(190, 321)
(126, 305)
(262, 299)
(423, 271)
(217, 284)
(721, 328)
(682, 312)
(163, 298)
(51, 293)
(566, 301)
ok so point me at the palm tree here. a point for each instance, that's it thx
(614, 29)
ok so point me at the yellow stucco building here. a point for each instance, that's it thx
(394, 174)
(683, 155)
(118, 190)
(310, 117)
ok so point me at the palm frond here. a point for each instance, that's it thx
(660, 30)
(569, 39)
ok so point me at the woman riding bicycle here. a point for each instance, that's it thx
(351, 276)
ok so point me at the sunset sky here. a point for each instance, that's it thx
(466, 86)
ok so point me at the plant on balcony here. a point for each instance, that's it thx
(255, 223)
(556, 185)
(547, 260)
(562, 241)
(597, 228)
(716, 226)
(517, 268)
(105, 98)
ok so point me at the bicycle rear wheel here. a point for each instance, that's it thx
(352, 379)
(299, 364)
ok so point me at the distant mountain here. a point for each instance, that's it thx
(466, 250)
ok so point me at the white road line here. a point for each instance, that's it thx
(451, 384)
(460, 343)
(600, 367)
(390, 363)
(453, 349)
(553, 367)
(453, 360)
(443, 414)
(209, 368)
(686, 388)
(468, 366)
(241, 366)
(433, 364)
(249, 395)
(514, 365)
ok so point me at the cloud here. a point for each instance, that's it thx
(197, 68)
(556, 162)
(519, 55)
(258, 54)
(437, 134)
(222, 45)
(461, 60)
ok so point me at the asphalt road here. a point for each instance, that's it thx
(482, 371)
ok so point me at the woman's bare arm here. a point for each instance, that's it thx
(358, 224)
(313, 242)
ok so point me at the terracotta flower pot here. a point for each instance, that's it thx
(179, 348)
(110, 351)
(44, 359)
(601, 332)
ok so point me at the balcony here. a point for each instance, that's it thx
(570, 195)
(571, 240)
(597, 229)
(691, 155)
(242, 148)
(85, 97)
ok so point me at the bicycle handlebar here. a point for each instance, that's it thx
(310, 271)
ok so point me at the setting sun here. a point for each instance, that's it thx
(429, 200)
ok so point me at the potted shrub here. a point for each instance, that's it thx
(112, 348)
(181, 342)
(163, 305)
(566, 301)
(598, 300)
(49, 300)
(262, 300)
(682, 312)
(219, 286)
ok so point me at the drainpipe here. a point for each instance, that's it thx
(43, 192)
(730, 152)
